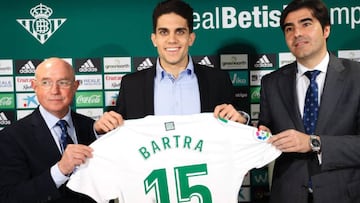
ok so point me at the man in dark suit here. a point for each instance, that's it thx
(175, 85)
(34, 164)
(322, 165)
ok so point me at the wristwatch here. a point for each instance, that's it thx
(315, 143)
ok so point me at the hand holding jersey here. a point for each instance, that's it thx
(196, 158)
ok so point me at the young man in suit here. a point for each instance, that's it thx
(175, 85)
(34, 164)
(320, 164)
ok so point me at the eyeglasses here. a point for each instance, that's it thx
(47, 84)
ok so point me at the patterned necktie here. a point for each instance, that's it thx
(64, 138)
(311, 107)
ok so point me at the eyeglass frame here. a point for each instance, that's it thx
(47, 83)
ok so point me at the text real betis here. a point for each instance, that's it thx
(263, 17)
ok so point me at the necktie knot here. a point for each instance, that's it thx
(312, 74)
(63, 125)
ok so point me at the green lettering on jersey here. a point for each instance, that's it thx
(171, 142)
(199, 145)
(155, 147)
(143, 151)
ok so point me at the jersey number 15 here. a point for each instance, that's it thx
(157, 180)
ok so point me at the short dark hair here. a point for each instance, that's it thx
(174, 6)
(317, 7)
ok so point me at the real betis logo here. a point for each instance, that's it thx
(41, 27)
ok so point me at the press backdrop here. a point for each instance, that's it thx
(107, 39)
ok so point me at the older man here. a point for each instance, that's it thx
(40, 151)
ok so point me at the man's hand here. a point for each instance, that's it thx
(73, 156)
(264, 128)
(291, 141)
(107, 122)
(228, 112)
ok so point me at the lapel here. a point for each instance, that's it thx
(333, 87)
(203, 87)
(83, 127)
(149, 90)
(43, 138)
(287, 86)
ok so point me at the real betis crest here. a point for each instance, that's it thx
(41, 27)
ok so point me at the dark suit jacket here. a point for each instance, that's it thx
(136, 95)
(338, 178)
(27, 152)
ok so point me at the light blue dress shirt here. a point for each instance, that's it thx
(176, 96)
(55, 130)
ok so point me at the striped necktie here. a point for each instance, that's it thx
(64, 138)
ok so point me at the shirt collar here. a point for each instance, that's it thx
(51, 120)
(161, 73)
(322, 66)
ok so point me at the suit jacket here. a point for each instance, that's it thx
(337, 179)
(27, 152)
(136, 95)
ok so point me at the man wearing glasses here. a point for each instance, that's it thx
(39, 152)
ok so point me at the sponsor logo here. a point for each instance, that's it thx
(286, 58)
(209, 61)
(41, 27)
(241, 95)
(89, 99)
(117, 64)
(262, 135)
(6, 84)
(90, 82)
(145, 64)
(26, 66)
(6, 67)
(255, 94)
(234, 61)
(239, 78)
(23, 83)
(259, 177)
(94, 113)
(112, 81)
(263, 62)
(26, 100)
(111, 97)
(4, 119)
(256, 75)
(206, 62)
(350, 54)
(7, 101)
(88, 65)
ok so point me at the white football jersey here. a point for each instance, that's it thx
(169, 159)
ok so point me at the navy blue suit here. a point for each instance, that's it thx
(27, 152)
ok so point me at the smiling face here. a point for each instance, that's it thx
(55, 86)
(172, 39)
(305, 37)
